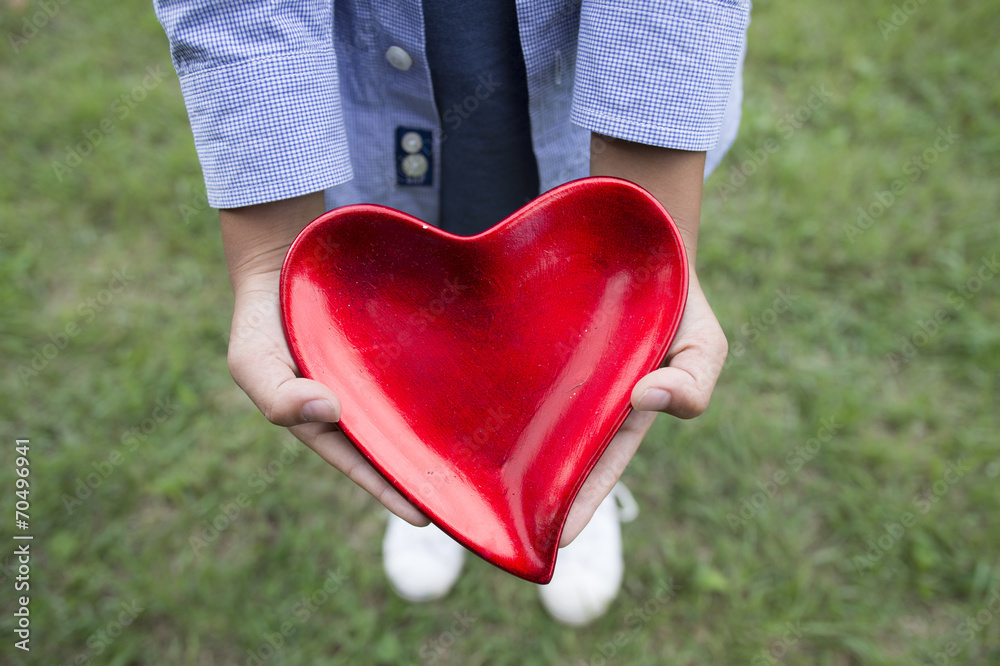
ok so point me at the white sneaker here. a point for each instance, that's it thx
(589, 571)
(422, 563)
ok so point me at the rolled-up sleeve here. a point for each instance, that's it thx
(658, 72)
(260, 84)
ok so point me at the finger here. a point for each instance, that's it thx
(606, 472)
(332, 446)
(684, 388)
(262, 365)
(285, 399)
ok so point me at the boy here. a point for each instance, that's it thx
(458, 113)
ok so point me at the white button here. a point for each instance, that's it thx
(414, 166)
(398, 58)
(412, 142)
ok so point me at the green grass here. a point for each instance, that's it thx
(870, 548)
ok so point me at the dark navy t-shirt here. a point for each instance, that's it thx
(488, 167)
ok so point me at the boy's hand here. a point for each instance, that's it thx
(683, 387)
(692, 366)
(256, 240)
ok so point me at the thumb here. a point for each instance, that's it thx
(280, 395)
(262, 365)
(675, 390)
(684, 387)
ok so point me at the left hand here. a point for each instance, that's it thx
(692, 366)
(683, 387)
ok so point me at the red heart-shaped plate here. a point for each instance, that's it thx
(483, 376)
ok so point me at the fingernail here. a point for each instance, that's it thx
(653, 400)
(320, 411)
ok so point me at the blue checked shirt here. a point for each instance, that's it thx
(287, 98)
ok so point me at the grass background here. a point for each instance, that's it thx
(780, 215)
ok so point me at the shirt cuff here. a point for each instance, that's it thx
(659, 77)
(268, 129)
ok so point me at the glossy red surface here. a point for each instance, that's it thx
(485, 375)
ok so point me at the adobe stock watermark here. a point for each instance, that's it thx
(913, 169)
(470, 445)
(247, 321)
(467, 447)
(893, 531)
(363, 36)
(435, 648)
(967, 630)
(130, 440)
(406, 334)
(751, 162)
(299, 614)
(99, 641)
(901, 13)
(795, 460)
(330, 249)
(228, 512)
(460, 112)
(778, 648)
(608, 313)
(635, 620)
(86, 312)
(927, 329)
(121, 108)
(569, 7)
(752, 330)
(31, 25)
(197, 205)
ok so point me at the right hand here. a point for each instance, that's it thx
(256, 239)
